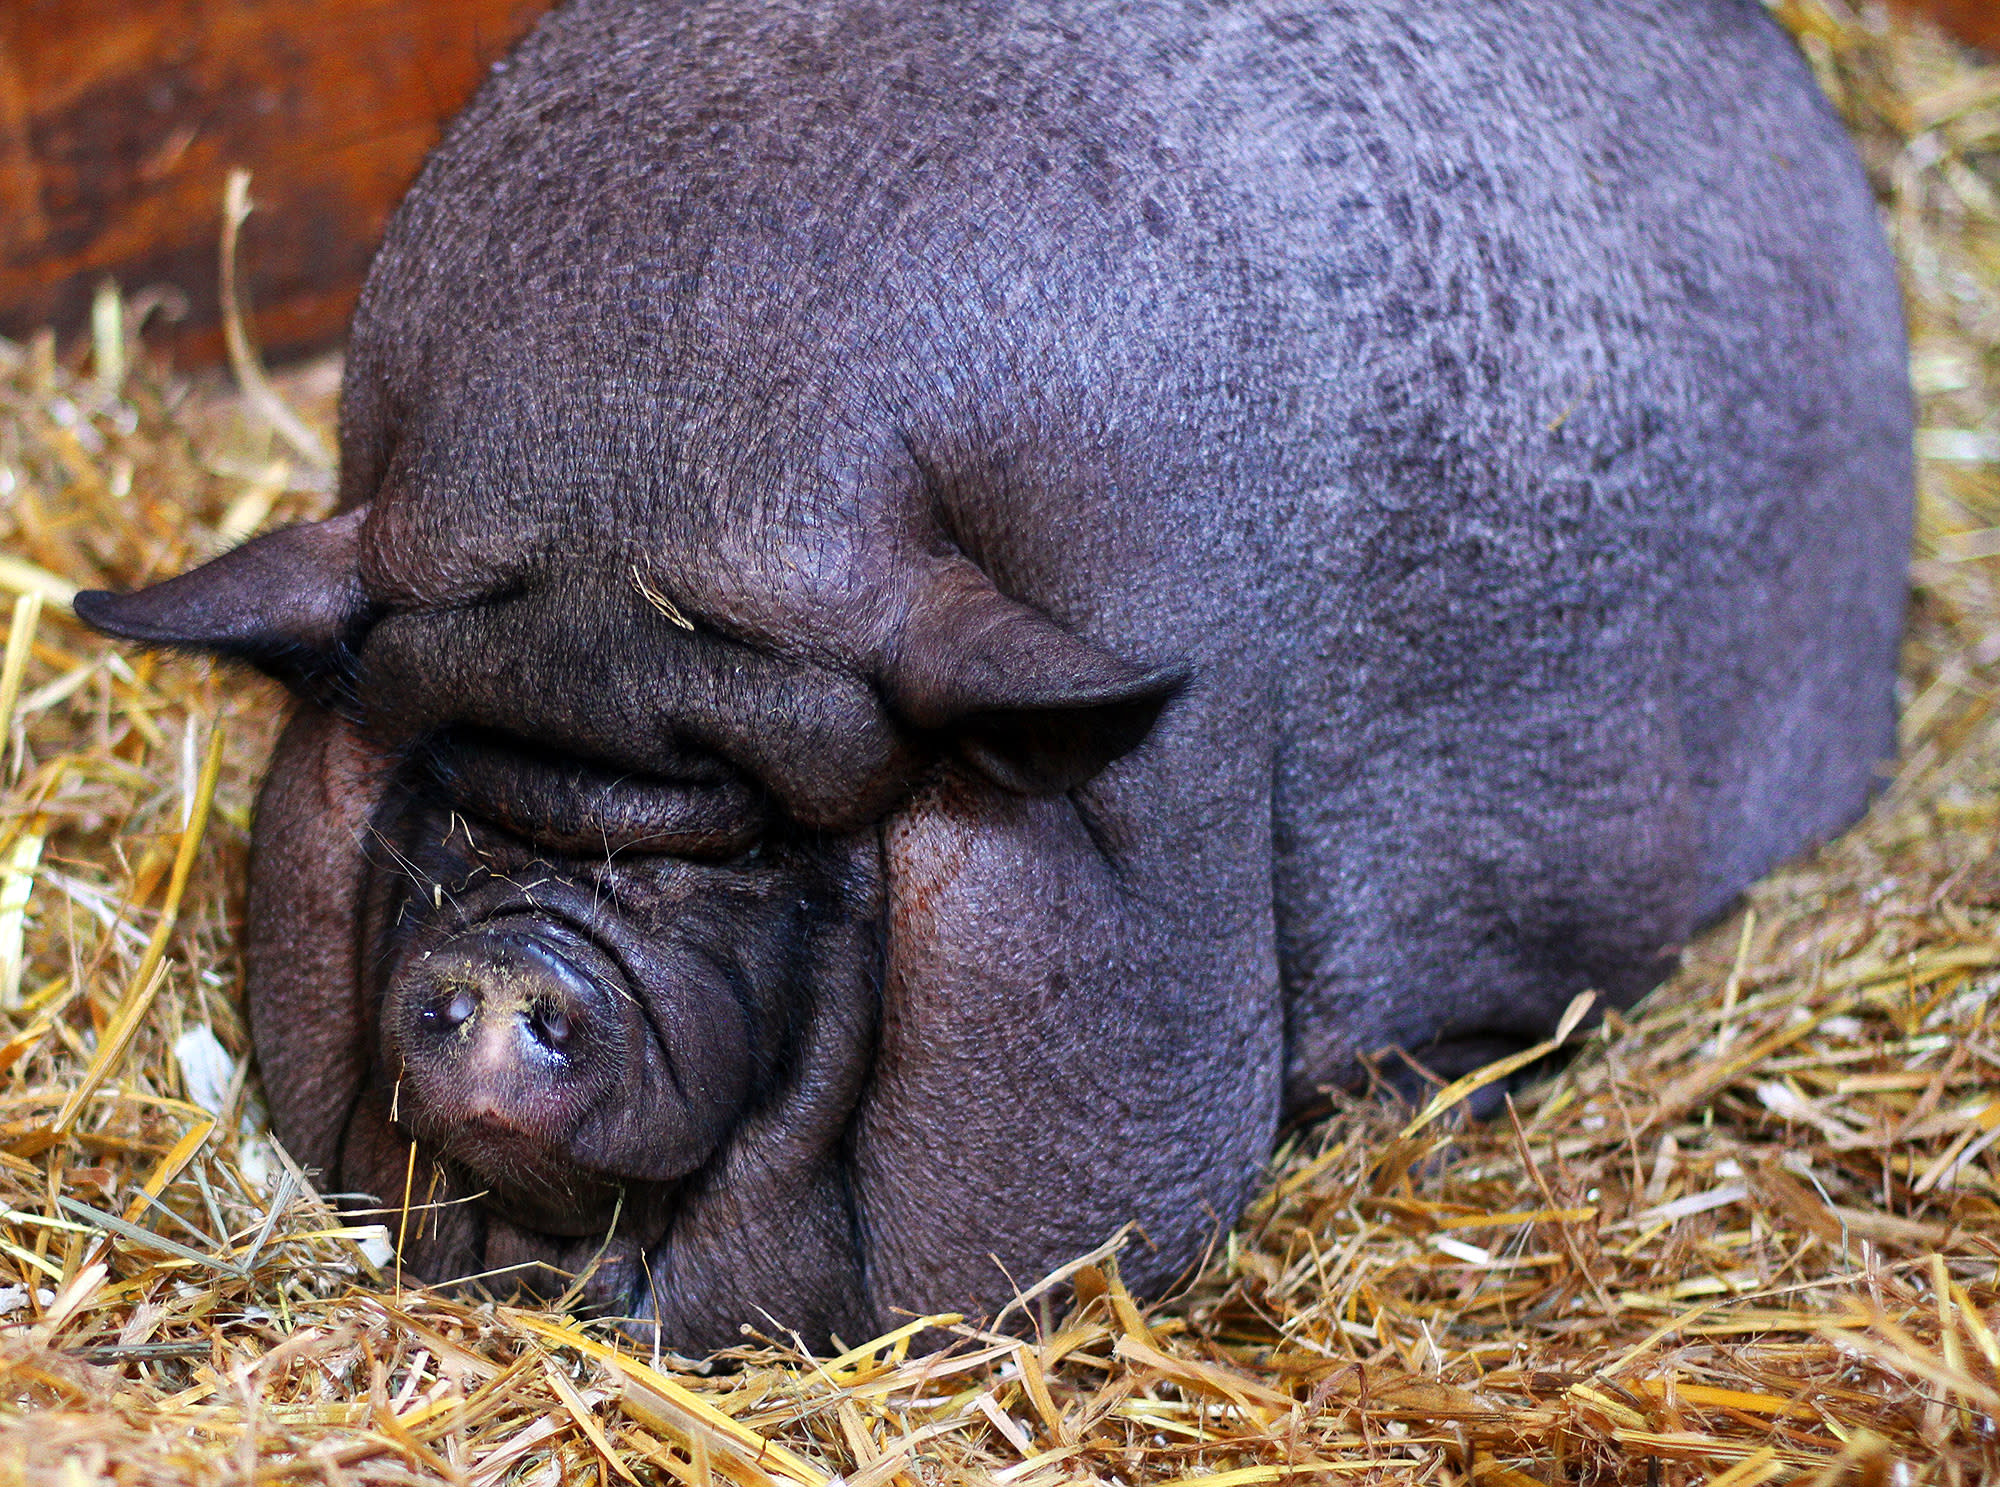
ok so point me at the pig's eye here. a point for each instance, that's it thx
(580, 808)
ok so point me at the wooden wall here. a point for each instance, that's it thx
(1973, 21)
(120, 119)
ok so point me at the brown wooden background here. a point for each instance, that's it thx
(120, 119)
(1976, 21)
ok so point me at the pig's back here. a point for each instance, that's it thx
(1595, 571)
(1501, 407)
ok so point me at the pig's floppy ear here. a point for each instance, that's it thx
(1033, 707)
(289, 602)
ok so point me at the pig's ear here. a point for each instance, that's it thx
(290, 602)
(1033, 707)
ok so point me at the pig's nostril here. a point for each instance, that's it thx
(453, 1012)
(507, 1019)
(550, 1024)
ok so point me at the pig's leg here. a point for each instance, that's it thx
(1062, 1052)
(1487, 859)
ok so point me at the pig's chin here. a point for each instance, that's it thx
(524, 1181)
(512, 1041)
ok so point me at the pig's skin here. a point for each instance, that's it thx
(1468, 445)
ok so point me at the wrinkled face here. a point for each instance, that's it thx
(576, 962)
(598, 912)
(586, 895)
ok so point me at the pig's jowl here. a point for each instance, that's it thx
(940, 614)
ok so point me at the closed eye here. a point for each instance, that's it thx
(580, 808)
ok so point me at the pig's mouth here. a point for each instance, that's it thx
(572, 1038)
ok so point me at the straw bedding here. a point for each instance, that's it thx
(1751, 1234)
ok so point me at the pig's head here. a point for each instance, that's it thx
(584, 897)
(687, 510)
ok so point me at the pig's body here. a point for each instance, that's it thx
(1468, 445)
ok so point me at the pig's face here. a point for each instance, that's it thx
(574, 913)
(601, 902)
(587, 973)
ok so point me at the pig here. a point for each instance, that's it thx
(940, 616)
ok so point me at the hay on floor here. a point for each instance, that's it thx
(1750, 1235)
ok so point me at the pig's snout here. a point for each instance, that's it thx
(511, 1038)
(509, 1015)
(558, 1070)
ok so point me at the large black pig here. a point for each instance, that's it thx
(943, 613)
